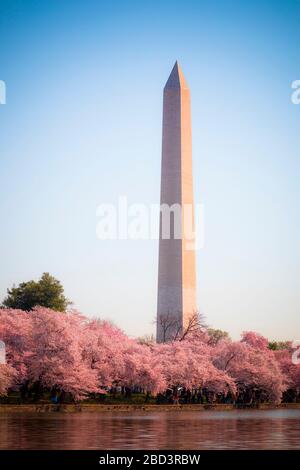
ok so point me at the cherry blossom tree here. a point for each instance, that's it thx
(188, 364)
(16, 332)
(103, 347)
(252, 368)
(53, 351)
(143, 369)
(56, 359)
(255, 340)
(7, 376)
(119, 360)
(290, 369)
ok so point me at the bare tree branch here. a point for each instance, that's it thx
(172, 329)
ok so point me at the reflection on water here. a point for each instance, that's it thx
(238, 429)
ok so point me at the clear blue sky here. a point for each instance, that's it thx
(82, 125)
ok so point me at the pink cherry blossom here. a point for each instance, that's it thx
(69, 352)
(7, 377)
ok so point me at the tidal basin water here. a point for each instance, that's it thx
(235, 429)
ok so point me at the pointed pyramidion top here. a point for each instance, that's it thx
(176, 78)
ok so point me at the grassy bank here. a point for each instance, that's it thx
(92, 407)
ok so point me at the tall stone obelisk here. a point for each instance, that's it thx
(176, 302)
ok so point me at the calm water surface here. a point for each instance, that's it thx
(237, 429)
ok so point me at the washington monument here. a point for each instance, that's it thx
(176, 303)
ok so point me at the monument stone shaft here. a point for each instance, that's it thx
(176, 303)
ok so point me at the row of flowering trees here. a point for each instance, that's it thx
(48, 350)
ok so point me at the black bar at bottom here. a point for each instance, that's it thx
(133, 459)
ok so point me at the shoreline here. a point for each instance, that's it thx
(100, 408)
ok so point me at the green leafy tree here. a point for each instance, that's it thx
(47, 292)
(278, 345)
(217, 335)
